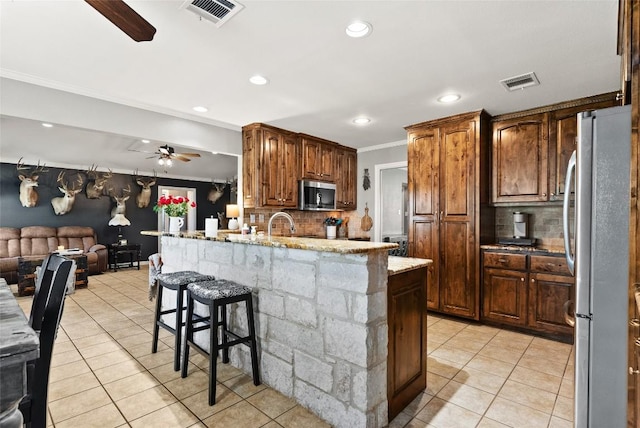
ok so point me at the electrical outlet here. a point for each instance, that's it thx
(252, 218)
(261, 218)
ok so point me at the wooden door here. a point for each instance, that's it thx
(249, 168)
(288, 158)
(520, 155)
(563, 132)
(504, 296)
(407, 348)
(547, 295)
(423, 165)
(459, 293)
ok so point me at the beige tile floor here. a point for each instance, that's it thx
(104, 375)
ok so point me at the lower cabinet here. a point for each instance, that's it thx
(527, 291)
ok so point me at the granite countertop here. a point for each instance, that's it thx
(524, 249)
(403, 264)
(315, 244)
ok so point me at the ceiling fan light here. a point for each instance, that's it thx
(160, 161)
(358, 29)
(258, 80)
(169, 162)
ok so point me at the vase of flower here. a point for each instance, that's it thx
(332, 224)
(175, 224)
(331, 232)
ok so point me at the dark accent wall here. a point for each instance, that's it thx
(96, 213)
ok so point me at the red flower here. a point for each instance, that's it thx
(174, 206)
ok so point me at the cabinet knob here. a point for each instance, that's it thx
(544, 194)
(632, 371)
(522, 279)
(533, 280)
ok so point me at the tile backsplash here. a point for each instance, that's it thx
(544, 224)
(306, 222)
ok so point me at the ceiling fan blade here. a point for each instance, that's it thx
(191, 155)
(180, 157)
(125, 18)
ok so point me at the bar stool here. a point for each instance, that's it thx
(217, 295)
(178, 282)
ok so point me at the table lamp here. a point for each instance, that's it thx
(119, 220)
(233, 211)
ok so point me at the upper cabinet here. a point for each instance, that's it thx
(520, 158)
(270, 167)
(318, 158)
(531, 150)
(274, 160)
(346, 178)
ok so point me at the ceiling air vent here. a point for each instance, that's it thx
(217, 11)
(520, 82)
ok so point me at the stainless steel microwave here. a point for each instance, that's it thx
(317, 196)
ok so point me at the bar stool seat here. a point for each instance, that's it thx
(178, 282)
(217, 295)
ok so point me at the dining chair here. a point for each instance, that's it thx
(46, 311)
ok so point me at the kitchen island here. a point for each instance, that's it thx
(325, 321)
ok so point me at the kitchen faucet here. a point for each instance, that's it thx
(281, 214)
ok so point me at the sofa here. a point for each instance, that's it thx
(34, 242)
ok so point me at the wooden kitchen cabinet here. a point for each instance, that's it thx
(318, 158)
(346, 178)
(520, 156)
(563, 134)
(531, 150)
(448, 189)
(527, 291)
(270, 167)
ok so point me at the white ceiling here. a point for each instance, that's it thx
(320, 79)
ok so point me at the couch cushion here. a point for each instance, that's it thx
(9, 242)
(77, 237)
(8, 264)
(38, 240)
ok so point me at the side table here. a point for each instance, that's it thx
(123, 254)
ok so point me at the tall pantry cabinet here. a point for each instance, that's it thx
(449, 176)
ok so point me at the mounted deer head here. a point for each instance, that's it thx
(96, 182)
(216, 192)
(144, 197)
(63, 204)
(28, 183)
(118, 212)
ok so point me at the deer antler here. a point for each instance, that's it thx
(20, 166)
(60, 180)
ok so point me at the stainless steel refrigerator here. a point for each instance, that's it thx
(600, 262)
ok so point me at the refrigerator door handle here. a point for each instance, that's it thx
(570, 320)
(571, 259)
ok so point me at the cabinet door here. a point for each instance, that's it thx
(346, 179)
(407, 360)
(288, 163)
(459, 293)
(563, 132)
(547, 295)
(271, 168)
(249, 168)
(520, 155)
(423, 163)
(504, 296)
(327, 162)
(310, 161)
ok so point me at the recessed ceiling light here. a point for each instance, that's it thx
(449, 98)
(201, 109)
(258, 80)
(361, 120)
(47, 125)
(359, 29)
(145, 141)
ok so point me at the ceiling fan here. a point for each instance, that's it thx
(167, 154)
(125, 18)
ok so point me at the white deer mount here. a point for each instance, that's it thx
(216, 192)
(63, 204)
(118, 217)
(28, 183)
(96, 182)
(144, 197)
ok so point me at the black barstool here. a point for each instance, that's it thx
(217, 295)
(178, 282)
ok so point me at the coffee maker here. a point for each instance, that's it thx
(520, 224)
